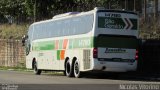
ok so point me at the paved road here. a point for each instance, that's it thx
(29, 80)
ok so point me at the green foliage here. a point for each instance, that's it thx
(23, 11)
(43, 8)
(29, 7)
(12, 7)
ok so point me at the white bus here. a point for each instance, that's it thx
(97, 40)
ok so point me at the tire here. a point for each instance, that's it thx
(36, 70)
(77, 72)
(68, 69)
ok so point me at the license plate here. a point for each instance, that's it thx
(117, 59)
(102, 62)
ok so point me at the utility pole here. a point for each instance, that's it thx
(126, 4)
(155, 9)
(145, 6)
(134, 5)
(109, 4)
(34, 10)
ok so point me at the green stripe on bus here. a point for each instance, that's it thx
(58, 54)
(81, 43)
(45, 45)
(70, 43)
(86, 42)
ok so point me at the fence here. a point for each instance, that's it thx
(12, 53)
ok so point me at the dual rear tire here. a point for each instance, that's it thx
(76, 69)
(68, 69)
(72, 69)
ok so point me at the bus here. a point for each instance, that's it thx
(78, 42)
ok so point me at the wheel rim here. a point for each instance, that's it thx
(76, 68)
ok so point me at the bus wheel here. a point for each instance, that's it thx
(36, 70)
(68, 69)
(77, 72)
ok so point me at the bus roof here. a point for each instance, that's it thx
(74, 14)
(65, 15)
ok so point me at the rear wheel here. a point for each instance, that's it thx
(36, 70)
(77, 72)
(68, 69)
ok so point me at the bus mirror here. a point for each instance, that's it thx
(24, 39)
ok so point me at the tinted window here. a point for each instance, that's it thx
(114, 41)
(65, 27)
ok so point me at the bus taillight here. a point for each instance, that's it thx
(95, 53)
(136, 56)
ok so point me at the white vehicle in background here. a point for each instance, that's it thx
(97, 40)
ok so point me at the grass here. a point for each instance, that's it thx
(13, 31)
(23, 69)
(13, 68)
(20, 67)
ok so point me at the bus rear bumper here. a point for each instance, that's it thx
(114, 66)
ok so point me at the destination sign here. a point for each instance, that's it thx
(113, 15)
(117, 23)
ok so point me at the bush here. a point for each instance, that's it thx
(12, 31)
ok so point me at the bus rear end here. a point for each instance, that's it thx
(115, 41)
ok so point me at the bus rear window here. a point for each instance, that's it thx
(114, 41)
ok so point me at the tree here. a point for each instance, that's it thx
(156, 9)
(12, 8)
(44, 9)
